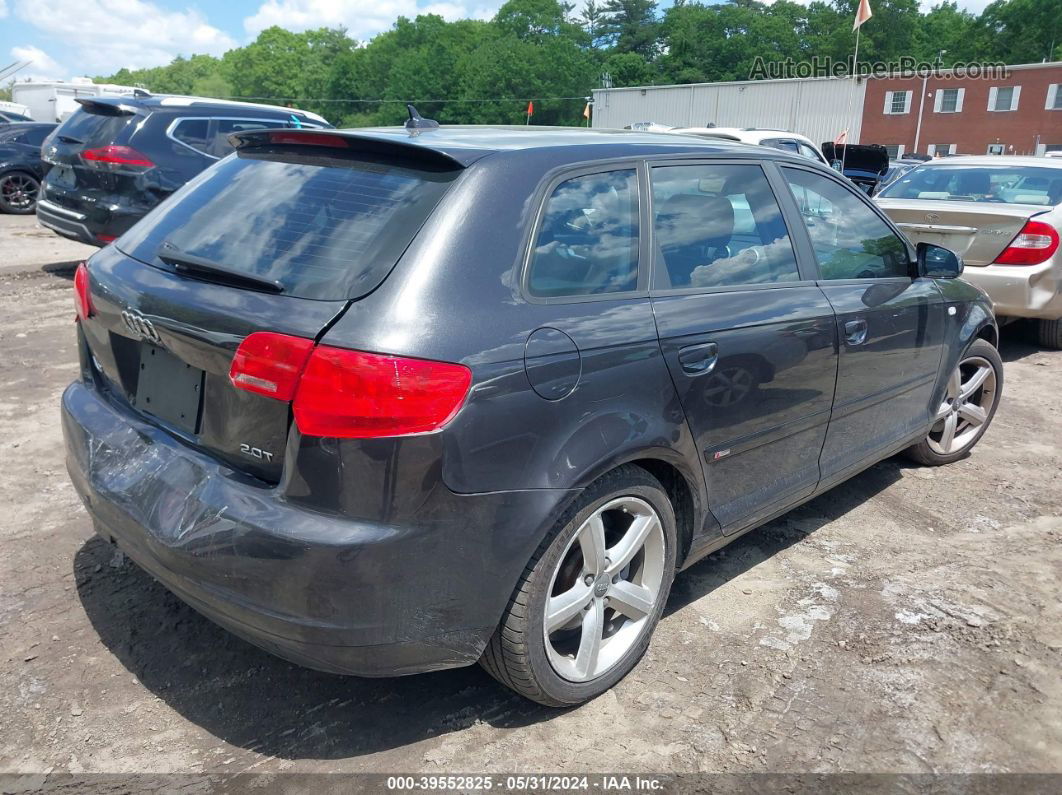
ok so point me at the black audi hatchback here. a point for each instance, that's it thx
(389, 401)
(115, 158)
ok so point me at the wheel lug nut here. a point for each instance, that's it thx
(589, 579)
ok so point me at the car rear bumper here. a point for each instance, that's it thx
(1021, 290)
(324, 591)
(91, 221)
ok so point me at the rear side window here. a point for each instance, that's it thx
(94, 128)
(587, 242)
(193, 132)
(324, 227)
(211, 136)
(718, 226)
(850, 240)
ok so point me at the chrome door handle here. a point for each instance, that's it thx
(699, 359)
(855, 332)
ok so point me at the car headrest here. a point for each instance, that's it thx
(974, 182)
(695, 219)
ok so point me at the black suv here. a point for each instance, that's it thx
(115, 158)
(388, 401)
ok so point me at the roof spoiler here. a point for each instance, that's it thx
(345, 140)
(107, 106)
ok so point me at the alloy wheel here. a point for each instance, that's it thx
(605, 590)
(18, 191)
(967, 405)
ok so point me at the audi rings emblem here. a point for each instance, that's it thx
(140, 326)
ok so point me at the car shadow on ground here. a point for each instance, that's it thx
(252, 700)
(1018, 340)
(64, 270)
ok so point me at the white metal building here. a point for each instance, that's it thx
(819, 107)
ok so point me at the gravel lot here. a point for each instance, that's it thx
(908, 621)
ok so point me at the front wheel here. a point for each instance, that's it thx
(590, 598)
(970, 403)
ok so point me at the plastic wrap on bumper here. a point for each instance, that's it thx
(325, 591)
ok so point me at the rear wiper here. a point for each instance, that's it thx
(202, 268)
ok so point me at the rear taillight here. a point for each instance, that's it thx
(350, 394)
(1036, 242)
(82, 297)
(105, 239)
(270, 364)
(116, 158)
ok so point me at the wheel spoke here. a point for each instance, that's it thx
(954, 384)
(590, 641)
(943, 411)
(948, 437)
(634, 601)
(975, 415)
(592, 543)
(633, 540)
(563, 607)
(974, 382)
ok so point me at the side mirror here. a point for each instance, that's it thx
(937, 262)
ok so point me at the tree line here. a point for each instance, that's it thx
(485, 72)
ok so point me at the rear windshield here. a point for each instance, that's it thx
(92, 128)
(999, 184)
(323, 227)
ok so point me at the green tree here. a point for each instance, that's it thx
(631, 26)
(1021, 31)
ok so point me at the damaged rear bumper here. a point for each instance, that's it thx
(325, 591)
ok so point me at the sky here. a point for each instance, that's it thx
(66, 38)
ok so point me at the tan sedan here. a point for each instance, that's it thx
(1003, 216)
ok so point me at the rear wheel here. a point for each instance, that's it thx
(1051, 334)
(970, 402)
(590, 598)
(18, 193)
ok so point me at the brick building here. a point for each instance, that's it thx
(1017, 115)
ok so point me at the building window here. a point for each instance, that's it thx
(941, 149)
(1003, 98)
(996, 149)
(1054, 97)
(895, 151)
(949, 100)
(897, 102)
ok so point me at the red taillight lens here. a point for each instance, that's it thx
(116, 158)
(270, 364)
(82, 298)
(307, 139)
(106, 238)
(351, 394)
(1036, 242)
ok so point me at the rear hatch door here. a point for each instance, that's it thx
(77, 179)
(976, 231)
(279, 238)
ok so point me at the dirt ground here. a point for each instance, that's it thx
(907, 621)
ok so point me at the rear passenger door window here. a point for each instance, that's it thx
(849, 239)
(718, 226)
(587, 239)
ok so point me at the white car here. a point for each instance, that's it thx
(777, 139)
(1003, 216)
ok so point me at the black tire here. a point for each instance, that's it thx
(516, 655)
(1050, 332)
(923, 452)
(25, 183)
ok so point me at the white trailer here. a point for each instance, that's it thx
(55, 100)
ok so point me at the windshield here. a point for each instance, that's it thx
(1003, 184)
(318, 226)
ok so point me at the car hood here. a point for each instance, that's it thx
(868, 160)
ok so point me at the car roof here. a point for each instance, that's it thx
(992, 160)
(176, 102)
(747, 134)
(465, 144)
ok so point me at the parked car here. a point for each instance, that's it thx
(1003, 215)
(10, 117)
(386, 401)
(21, 167)
(778, 139)
(897, 168)
(864, 164)
(116, 158)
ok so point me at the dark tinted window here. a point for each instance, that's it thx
(323, 226)
(850, 240)
(785, 144)
(92, 128)
(718, 226)
(36, 136)
(588, 241)
(194, 133)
